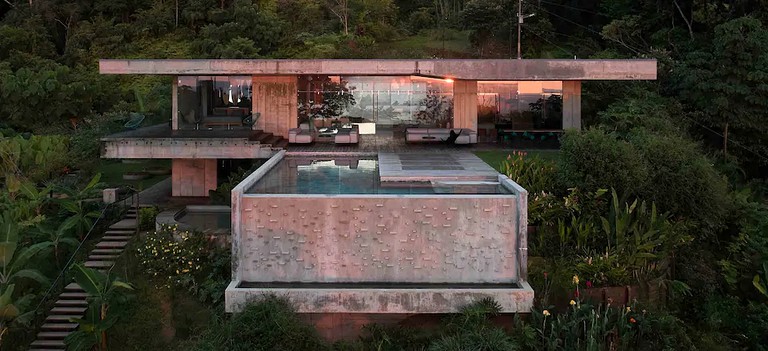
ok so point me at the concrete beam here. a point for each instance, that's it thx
(184, 148)
(456, 69)
(511, 300)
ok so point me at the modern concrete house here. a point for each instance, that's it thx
(219, 104)
(374, 229)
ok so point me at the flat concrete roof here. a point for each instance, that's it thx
(508, 69)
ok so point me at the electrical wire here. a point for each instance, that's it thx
(636, 50)
(730, 140)
(550, 42)
(574, 8)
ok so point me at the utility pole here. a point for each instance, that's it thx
(519, 25)
(520, 18)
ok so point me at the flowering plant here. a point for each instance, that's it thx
(170, 254)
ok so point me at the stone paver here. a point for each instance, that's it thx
(455, 166)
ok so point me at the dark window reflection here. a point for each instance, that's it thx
(383, 103)
(520, 105)
(214, 101)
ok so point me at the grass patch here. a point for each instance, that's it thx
(429, 43)
(495, 157)
(112, 173)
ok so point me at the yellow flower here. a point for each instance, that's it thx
(629, 309)
(576, 280)
(545, 313)
(572, 302)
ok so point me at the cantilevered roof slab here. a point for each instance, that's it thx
(454, 69)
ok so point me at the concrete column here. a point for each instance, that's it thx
(193, 177)
(175, 103)
(276, 99)
(572, 104)
(465, 104)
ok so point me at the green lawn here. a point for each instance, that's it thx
(495, 157)
(430, 43)
(112, 172)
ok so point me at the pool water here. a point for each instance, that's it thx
(353, 176)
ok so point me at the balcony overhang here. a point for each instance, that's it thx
(498, 70)
(161, 142)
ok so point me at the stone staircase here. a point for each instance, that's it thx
(72, 301)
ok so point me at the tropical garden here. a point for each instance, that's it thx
(648, 228)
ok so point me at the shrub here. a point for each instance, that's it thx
(596, 159)
(270, 324)
(681, 180)
(471, 329)
(186, 260)
(531, 172)
(147, 217)
(586, 327)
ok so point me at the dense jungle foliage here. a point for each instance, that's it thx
(665, 186)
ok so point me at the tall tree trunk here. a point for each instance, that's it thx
(725, 139)
(687, 22)
(177, 13)
(103, 316)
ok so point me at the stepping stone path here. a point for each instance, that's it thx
(72, 302)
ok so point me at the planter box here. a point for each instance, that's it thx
(135, 176)
(158, 171)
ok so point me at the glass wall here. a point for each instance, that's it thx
(214, 101)
(376, 104)
(520, 105)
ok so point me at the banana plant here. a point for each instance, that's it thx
(104, 291)
(14, 266)
(13, 309)
(761, 284)
(14, 262)
(58, 240)
(80, 217)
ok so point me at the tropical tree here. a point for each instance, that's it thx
(58, 239)
(727, 83)
(104, 291)
(80, 215)
(14, 266)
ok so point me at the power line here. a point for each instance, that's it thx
(723, 136)
(551, 43)
(636, 50)
(574, 8)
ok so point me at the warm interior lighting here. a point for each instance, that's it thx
(449, 80)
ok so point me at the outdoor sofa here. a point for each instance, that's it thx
(466, 136)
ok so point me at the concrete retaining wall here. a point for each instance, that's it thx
(378, 238)
(383, 239)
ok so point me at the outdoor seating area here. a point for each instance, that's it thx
(346, 134)
(299, 136)
(460, 136)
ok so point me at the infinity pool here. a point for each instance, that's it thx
(353, 176)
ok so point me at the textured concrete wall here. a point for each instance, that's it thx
(193, 177)
(465, 104)
(572, 104)
(184, 148)
(457, 69)
(448, 238)
(276, 98)
(175, 103)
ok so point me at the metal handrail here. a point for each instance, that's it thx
(62, 275)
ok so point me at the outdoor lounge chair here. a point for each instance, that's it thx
(299, 136)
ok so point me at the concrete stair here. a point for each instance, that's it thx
(275, 141)
(72, 302)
